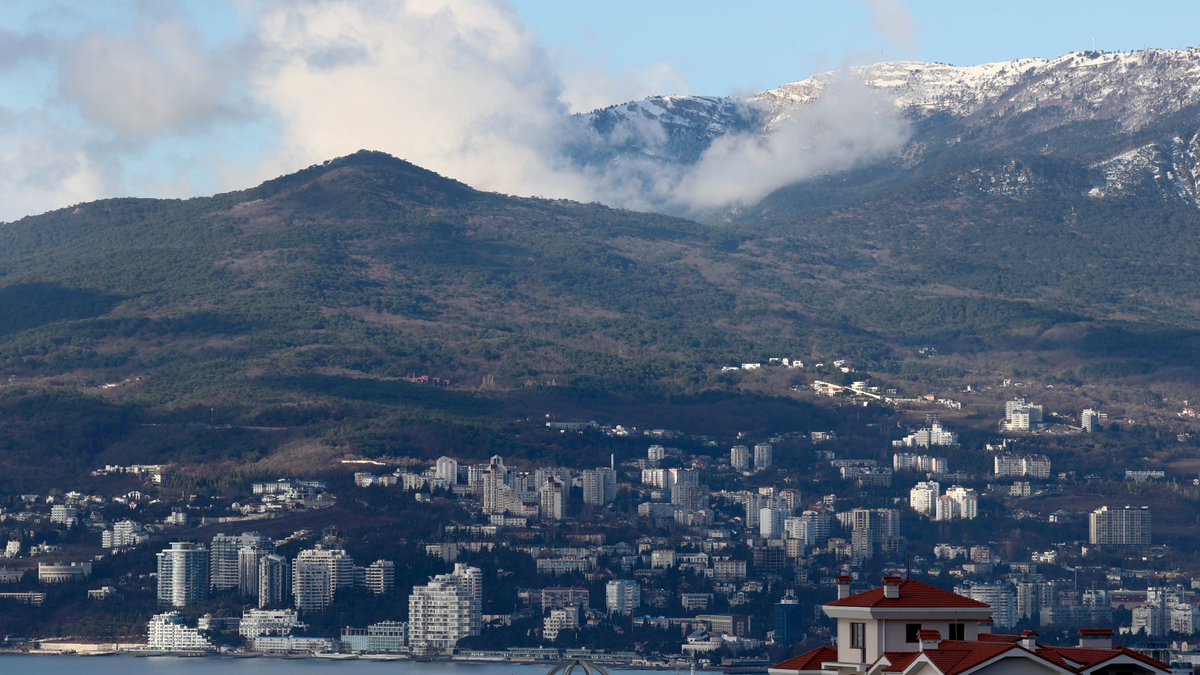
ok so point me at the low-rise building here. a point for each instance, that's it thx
(170, 632)
(58, 572)
(385, 637)
(258, 622)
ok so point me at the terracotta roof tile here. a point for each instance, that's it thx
(899, 661)
(810, 660)
(1091, 657)
(912, 594)
(995, 637)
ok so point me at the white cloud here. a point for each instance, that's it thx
(894, 20)
(160, 81)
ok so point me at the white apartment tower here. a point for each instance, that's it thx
(249, 560)
(447, 470)
(494, 479)
(183, 574)
(274, 580)
(599, 486)
(447, 609)
(739, 457)
(551, 495)
(958, 503)
(336, 560)
(381, 577)
(623, 596)
(1090, 420)
(762, 456)
(656, 453)
(770, 523)
(923, 497)
(311, 586)
(223, 566)
(1127, 526)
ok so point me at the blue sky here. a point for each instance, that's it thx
(183, 98)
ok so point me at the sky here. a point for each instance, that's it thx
(182, 98)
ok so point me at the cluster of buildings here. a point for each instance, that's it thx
(188, 571)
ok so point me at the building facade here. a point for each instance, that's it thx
(183, 574)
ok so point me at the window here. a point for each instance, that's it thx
(910, 632)
(958, 631)
(858, 635)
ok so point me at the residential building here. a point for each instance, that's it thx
(256, 622)
(557, 597)
(696, 601)
(1000, 596)
(249, 561)
(183, 574)
(623, 596)
(170, 632)
(905, 461)
(655, 453)
(312, 587)
(916, 628)
(336, 560)
(1089, 420)
(762, 456)
(224, 567)
(690, 496)
(1030, 466)
(739, 457)
(726, 570)
(935, 434)
(1127, 526)
(385, 637)
(63, 514)
(959, 503)
(495, 487)
(446, 470)
(59, 573)
(293, 644)
(123, 534)
(552, 497)
(563, 618)
(770, 523)
(923, 497)
(446, 610)
(599, 486)
(274, 580)
(381, 577)
(662, 558)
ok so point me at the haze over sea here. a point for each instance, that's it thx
(172, 665)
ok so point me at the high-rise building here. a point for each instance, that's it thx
(447, 609)
(923, 497)
(599, 486)
(312, 589)
(1032, 466)
(770, 523)
(183, 574)
(789, 620)
(274, 580)
(935, 434)
(623, 596)
(690, 496)
(336, 560)
(762, 456)
(815, 525)
(447, 470)
(249, 559)
(224, 571)
(1127, 526)
(123, 534)
(552, 498)
(739, 457)
(495, 486)
(1021, 416)
(381, 577)
(1090, 420)
(999, 595)
(656, 453)
(958, 503)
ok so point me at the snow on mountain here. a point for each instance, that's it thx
(1000, 104)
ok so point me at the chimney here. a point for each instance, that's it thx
(929, 639)
(843, 583)
(1095, 638)
(891, 587)
(1029, 640)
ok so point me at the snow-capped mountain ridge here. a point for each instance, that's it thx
(995, 105)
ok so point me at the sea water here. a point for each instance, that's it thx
(13, 664)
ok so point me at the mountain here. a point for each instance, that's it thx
(1119, 119)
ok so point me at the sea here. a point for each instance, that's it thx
(213, 665)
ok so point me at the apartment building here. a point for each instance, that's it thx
(1126, 526)
(183, 574)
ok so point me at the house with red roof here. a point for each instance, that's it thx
(912, 628)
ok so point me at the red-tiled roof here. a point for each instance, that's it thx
(995, 637)
(810, 660)
(912, 594)
(959, 657)
(899, 661)
(1091, 657)
(1095, 632)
